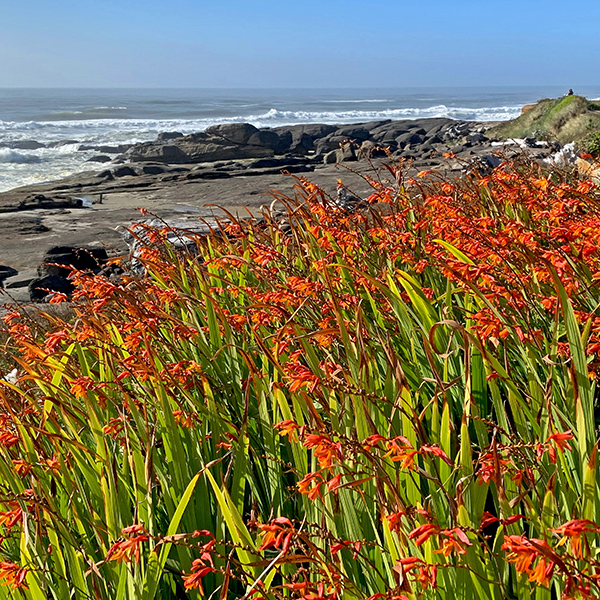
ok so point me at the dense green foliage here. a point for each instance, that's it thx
(398, 402)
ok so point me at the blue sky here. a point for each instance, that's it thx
(331, 43)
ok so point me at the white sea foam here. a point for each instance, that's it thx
(15, 156)
(58, 161)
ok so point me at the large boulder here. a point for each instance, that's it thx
(265, 137)
(238, 133)
(221, 142)
(217, 149)
(59, 260)
(299, 139)
(354, 132)
(5, 273)
(156, 152)
(169, 135)
(43, 286)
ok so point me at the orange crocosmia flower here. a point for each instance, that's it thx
(53, 464)
(278, 533)
(542, 573)
(304, 485)
(302, 376)
(403, 452)
(128, 549)
(523, 552)
(334, 483)
(10, 518)
(561, 440)
(81, 385)
(437, 452)
(395, 520)
(325, 450)
(54, 339)
(455, 540)
(410, 562)
(13, 575)
(8, 439)
(287, 428)
(114, 427)
(371, 441)
(21, 467)
(183, 418)
(422, 533)
(488, 519)
(573, 532)
(193, 581)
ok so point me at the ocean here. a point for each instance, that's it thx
(64, 120)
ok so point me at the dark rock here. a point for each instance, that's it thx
(456, 131)
(426, 148)
(389, 131)
(59, 260)
(106, 149)
(101, 158)
(30, 227)
(217, 149)
(283, 161)
(410, 139)
(168, 135)
(491, 160)
(346, 153)
(330, 158)
(123, 171)
(156, 152)
(24, 145)
(152, 169)
(435, 139)
(354, 133)
(476, 138)
(20, 282)
(482, 165)
(301, 143)
(40, 288)
(105, 175)
(458, 150)
(300, 138)
(328, 143)
(5, 273)
(266, 138)
(238, 133)
(208, 175)
(40, 201)
(301, 168)
(367, 148)
(372, 125)
(61, 143)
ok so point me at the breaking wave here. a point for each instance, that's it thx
(14, 156)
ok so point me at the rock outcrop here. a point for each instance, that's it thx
(239, 141)
(58, 262)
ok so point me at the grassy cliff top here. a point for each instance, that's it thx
(566, 119)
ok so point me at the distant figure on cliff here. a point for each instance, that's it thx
(570, 92)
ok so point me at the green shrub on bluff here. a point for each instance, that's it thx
(566, 119)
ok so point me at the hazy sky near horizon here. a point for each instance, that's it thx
(269, 43)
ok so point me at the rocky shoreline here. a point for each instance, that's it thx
(184, 178)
